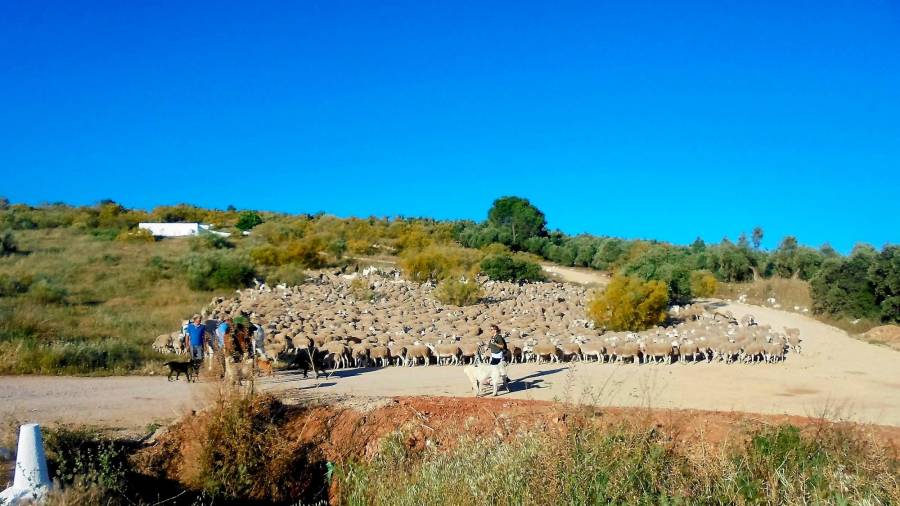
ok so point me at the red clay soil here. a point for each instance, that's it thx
(352, 429)
(346, 432)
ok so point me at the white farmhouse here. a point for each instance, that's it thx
(178, 229)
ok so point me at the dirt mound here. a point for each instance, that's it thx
(888, 335)
(338, 431)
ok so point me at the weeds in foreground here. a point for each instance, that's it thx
(628, 465)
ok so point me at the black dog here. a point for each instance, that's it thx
(190, 369)
(306, 359)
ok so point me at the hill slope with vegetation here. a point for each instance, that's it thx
(83, 290)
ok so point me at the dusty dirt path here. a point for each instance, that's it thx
(835, 376)
(579, 275)
(128, 403)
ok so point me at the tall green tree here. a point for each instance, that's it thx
(884, 275)
(757, 237)
(519, 219)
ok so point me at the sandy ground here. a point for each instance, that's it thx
(836, 376)
(581, 276)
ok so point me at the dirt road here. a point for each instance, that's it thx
(835, 376)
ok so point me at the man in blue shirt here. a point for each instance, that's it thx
(195, 338)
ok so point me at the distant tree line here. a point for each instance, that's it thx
(865, 284)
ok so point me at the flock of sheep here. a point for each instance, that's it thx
(393, 321)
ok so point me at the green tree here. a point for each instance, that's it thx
(667, 264)
(843, 287)
(757, 237)
(248, 220)
(884, 275)
(629, 304)
(783, 258)
(519, 219)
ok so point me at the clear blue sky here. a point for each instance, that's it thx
(629, 119)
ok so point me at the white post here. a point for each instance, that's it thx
(32, 480)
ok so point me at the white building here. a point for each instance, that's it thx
(178, 229)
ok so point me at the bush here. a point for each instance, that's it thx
(290, 275)
(209, 241)
(218, 269)
(435, 263)
(8, 244)
(45, 291)
(361, 290)
(243, 454)
(454, 292)
(83, 456)
(248, 220)
(135, 235)
(703, 284)
(505, 267)
(13, 285)
(629, 304)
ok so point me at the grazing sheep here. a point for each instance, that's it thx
(416, 352)
(448, 352)
(594, 349)
(658, 352)
(468, 351)
(380, 355)
(570, 351)
(542, 350)
(163, 344)
(793, 338)
(630, 350)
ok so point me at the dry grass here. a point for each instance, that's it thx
(116, 298)
(788, 293)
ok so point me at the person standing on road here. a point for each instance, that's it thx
(498, 351)
(196, 338)
(497, 346)
(258, 342)
(221, 330)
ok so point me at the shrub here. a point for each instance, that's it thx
(45, 291)
(289, 274)
(135, 235)
(82, 455)
(505, 267)
(248, 220)
(209, 241)
(454, 292)
(218, 269)
(13, 285)
(703, 284)
(435, 263)
(8, 244)
(361, 290)
(629, 304)
(243, 455)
